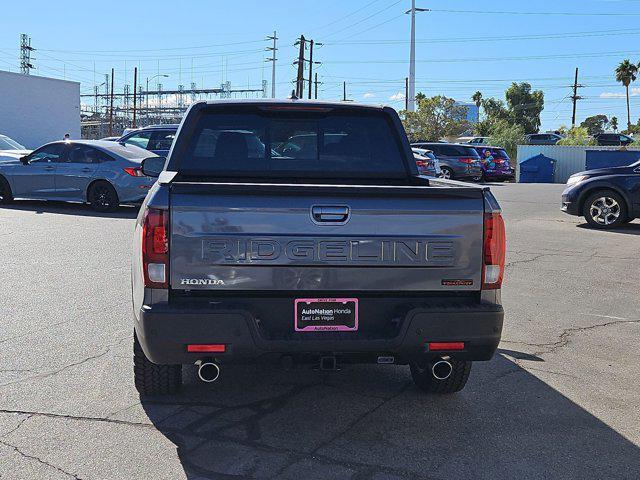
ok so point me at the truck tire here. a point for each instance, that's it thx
(605, 209)
(103, 197)
(5, 191)
(152, 379)
(424, 379)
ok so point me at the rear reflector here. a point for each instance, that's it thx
(494, 251)
(440, 346)
(207, 348)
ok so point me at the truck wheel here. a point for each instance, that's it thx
(423, 377)
(605, 209)
(5, 191)
(152, 379)
(103, 197)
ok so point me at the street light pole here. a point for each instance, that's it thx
(147, 91)
(411, 101)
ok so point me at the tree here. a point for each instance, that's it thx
(483, 128)
(577, 136)
(522, 107)
(495, 110)
(595, 124)
(436, 117)
(626, 73)
(477, 99)
(614, 123)
(508, 136)
(420, 96)
(525, 106)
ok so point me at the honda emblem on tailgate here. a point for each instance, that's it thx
(201, 281)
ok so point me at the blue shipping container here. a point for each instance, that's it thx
(611, 158)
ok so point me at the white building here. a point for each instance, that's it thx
(36, 110)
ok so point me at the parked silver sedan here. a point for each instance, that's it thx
(104, 174)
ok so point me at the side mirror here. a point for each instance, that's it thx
(152, 166)
(25, 160)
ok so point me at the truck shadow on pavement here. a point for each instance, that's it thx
(370, 422)
(68, 208)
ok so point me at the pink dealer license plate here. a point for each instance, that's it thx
(326, 314)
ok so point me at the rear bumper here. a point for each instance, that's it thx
(500, 175)
(165, 331)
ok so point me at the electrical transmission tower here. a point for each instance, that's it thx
(25, 54)
(273, 59)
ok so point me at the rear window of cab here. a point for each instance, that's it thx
(292, 143)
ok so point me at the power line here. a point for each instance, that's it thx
(349, 15)
(568, 14)
(138, 50)
(364, 19)
(501, 38)
(498, 59)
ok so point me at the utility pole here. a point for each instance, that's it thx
(344, 91)
(411, 104)
(273, 59)
(135, 97)
(406, 93)
(25, 54)
(111, 107)
(310, 66)
(96, 107)
(300, 61)
(575, 97)
(316, 86)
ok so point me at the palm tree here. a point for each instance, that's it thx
(477, 99)
(614, 123)
(626, 73)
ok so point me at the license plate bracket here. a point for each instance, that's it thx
(326, 314)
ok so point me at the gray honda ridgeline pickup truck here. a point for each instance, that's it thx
(301, 233)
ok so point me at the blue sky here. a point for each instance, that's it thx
(462, 47)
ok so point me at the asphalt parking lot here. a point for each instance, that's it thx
(560, 399)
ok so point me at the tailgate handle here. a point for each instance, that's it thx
(330, 214)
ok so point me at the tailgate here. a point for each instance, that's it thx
(263, 237)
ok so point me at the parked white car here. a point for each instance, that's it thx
(474, 140)
(10, 149)
(429, 154)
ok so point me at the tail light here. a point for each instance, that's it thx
(495, 247)
(421, 163)
(468, 161)
(134, 171)
(155, 248)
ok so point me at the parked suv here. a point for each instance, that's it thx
(496, 164)
(156, 138)
(543, 138)
(613, 140)
(456, 161)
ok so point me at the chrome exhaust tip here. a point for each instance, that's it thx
(208, 372)
(442, 369)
